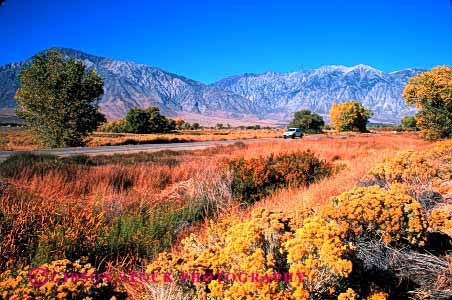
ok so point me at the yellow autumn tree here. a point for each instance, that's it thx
(431, 92)
(350, 116)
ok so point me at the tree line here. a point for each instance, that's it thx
(148, 120)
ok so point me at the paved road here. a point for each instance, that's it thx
(108, 150)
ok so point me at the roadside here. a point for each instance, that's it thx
(16, 138)
(128, 149)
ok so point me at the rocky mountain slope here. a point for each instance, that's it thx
(317, 90)
(248, 97)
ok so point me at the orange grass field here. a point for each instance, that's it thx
(359, 153)
(150, 182)
(16, 138)
(121, 211)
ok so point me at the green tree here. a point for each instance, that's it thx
(431, 92)
(57, 100)
(186, 126)
(170, 125)
(147, 120)
(157, 122)
(350, 116)
(195, 126)
(408, 123)
(137, 121)
(307, 121)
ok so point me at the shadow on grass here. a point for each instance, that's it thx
(153, 141)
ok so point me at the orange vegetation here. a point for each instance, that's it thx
(386, 239)
(122, 210)
(19, 139)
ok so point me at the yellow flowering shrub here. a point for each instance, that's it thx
(350, 294)
(429, 168)
(253, 246)
(440, 220)
(48, 282)
(388, 215)
(408, 167)
(325, 245)
(378, 296)
(318, 245)
(317, 251)
(268, 243)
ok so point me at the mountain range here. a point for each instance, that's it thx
(268, 98)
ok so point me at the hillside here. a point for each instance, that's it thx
(254, 98)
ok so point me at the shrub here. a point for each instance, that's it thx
(318, 252)
(376, 213)
(252, 246)
(239, 145)
(408, 123)
(349, 294)
(424, 170)
(440, 220)
(257, 177)
(367, 243)
(378, 296)
(17, 285)
(321, 246)
(267, 244)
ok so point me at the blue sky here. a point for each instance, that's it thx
(209, 40)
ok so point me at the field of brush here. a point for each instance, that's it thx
(364, 216)
(17, 138)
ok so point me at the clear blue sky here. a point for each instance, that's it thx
(208, 40)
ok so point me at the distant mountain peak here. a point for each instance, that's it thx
(409, 70)
(328, 68)
(270, 96)
(345, 69)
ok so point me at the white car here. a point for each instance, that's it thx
(293, 133)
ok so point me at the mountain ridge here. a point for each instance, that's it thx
(266, 97)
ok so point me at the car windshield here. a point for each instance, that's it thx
(292, 129)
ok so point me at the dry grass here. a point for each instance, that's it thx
(104, 139)
(15, 138)
(141, 204)
(357, 154)
(150, 291)
(18, 139)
